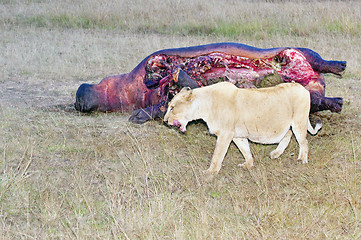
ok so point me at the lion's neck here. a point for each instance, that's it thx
(201, 106)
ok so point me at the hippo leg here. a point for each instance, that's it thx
(323, 66)
(320, 103)
(335, 67)
(140, 116)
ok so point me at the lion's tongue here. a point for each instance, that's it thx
(176, 123)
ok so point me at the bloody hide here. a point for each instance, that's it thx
(150, 85)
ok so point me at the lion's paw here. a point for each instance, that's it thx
(274, 154)
(246, 165)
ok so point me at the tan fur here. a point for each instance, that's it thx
(264, 115)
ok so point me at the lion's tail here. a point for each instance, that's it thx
(318, 126)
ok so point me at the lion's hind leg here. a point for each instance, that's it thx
(243, 146)
(282, 145)
(300, 134)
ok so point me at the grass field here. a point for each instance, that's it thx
(66, 175)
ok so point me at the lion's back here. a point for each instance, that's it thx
(262, 115)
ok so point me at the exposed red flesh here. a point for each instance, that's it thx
(241, 71)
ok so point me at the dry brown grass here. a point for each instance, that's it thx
(68, 175)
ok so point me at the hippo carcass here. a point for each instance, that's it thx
(147, 89)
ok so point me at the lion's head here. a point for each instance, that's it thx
(180, 109)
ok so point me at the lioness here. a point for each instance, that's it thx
(263, 115)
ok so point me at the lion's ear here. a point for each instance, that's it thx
(187, 91)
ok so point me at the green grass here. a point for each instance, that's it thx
(251, 28)
(192, 18)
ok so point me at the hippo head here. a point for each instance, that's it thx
(88, 98)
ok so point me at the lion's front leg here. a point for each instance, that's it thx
(220, 151)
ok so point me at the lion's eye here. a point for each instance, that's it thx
(171, 108)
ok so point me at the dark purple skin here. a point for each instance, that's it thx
(318, 100)
(148, 100)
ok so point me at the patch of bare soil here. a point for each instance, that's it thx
(37, 93)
